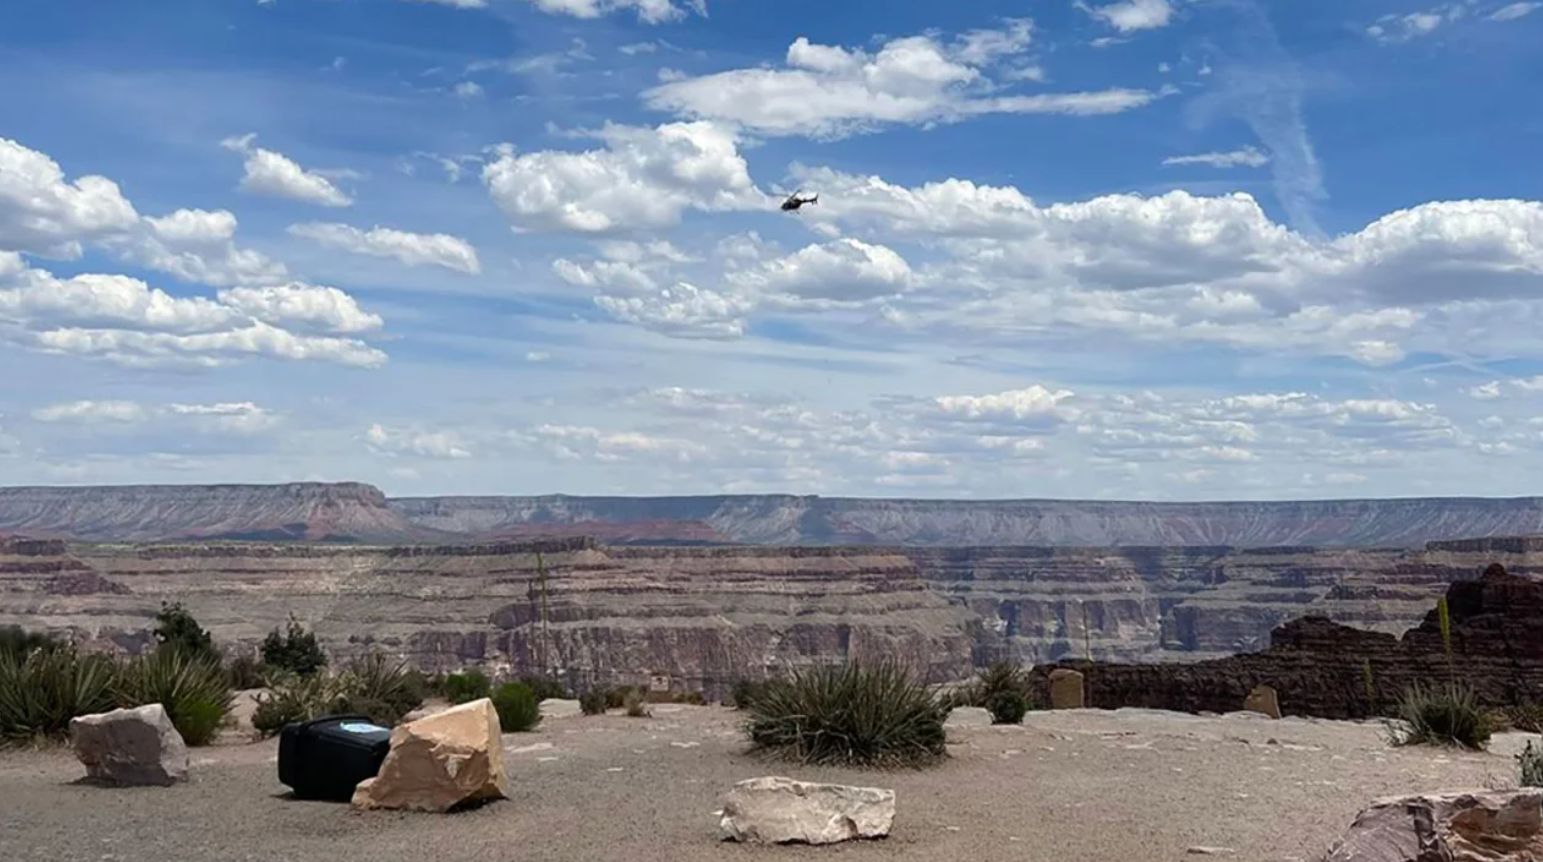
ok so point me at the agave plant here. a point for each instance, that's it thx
(851, 714)
(41, 691)
(1441, 715)
(193, 690)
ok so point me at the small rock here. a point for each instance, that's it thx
(777, 810)
(1263, 699)
(535, 746)
(1202, 850)
(130, 746)
(1066, 689)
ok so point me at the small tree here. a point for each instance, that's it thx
(178, 631)
(296, 651)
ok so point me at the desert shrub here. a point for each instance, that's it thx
(41, 691)
(854, 714)
(466, 686)
(295, 651)
(1007, 707)
(518, 709)
(745, 691)
(177, 630)
(616, 698)
(1525, 716)
(17, 641)
(291, 698)
(192, 689)
(545, 688)
(635, 704)
(1440, 715)
(1531, 763)
(593, 702)
(382, 688)
(246, 671)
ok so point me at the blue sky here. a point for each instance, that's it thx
(1165, 249)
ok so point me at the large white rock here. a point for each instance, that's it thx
(1477, 826)
(446, 760)
(136, 746)
(776, 810)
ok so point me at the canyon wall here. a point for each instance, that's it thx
(1321, 668)
(358, 513)
(702, 617)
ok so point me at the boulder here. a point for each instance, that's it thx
(1477, 826)
(1263, 699)
(776, 810)
(447, 760)
(559, 708)
(967, 716)
(130, 746)
(1066, 689)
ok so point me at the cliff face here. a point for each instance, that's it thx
(705, 616)
(1322, 668)
(302, 511)
(360, 513)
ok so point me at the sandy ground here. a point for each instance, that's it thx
(1074, 786)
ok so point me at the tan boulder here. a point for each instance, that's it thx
(138, 746)
(1066, 689)
(1477, 826)
(449, 759)
(1263, 699)
(777, 810)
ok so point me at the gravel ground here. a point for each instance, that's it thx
(1074, 786)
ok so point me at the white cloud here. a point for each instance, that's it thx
(831, 91)
(648, 11)
(1249, 157)
(1132, 15)
(1486, 391)
(467, 90)
(1032, 404)
(413, 249)
(43, 213)
(459, 4)
(845, 270)
(92, 412)
(684, 311)
(587, 443)
(423, 444)
(274, 174)
(238, 417)
(306, 305)
(197, 246)
(643, 179)
(1402, 28)
(1514, 11)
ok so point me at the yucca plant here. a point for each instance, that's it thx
(518, 709)
(594, 701)
(635, 704)
(41, 691)
(1531, 763)
(384, 689)
(1441, 715)
(466, 686)
(192, 689)
(291, 697)
(853, 714)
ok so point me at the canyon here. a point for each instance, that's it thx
(352, 512)
(698, 618)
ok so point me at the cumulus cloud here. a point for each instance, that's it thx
(309, 306)
(422, 444)
(274, 174)
(1034, 404)
(43, 213)
(1132, 15)
(831, 91)
(642, 179)
(92, 412)
(845, 270)
(1249, 157)
(413, 249)
(197, 246)
(648, 11)
(683, 310)
(587, 443)
(242, 417)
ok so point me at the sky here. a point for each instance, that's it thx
(1114, 249)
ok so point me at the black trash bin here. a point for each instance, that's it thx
(325, 757)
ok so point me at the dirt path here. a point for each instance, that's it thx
(1080, 786)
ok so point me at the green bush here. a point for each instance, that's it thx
(594, 701)
(854, 715)
(291, 698)
(616, 698)
(1525, 716)
(465, 686)
(518, 709)
(635, 704)
(295, 651)
(1446, 715)
(1531, 763)
(545, 688)
(1007, 707)
(191, 688)
(382, 688)
(18, 642)
(41, 691)
(744, 692)
(246, 672)
(175, 629)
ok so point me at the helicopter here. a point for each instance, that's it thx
(794, 201)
